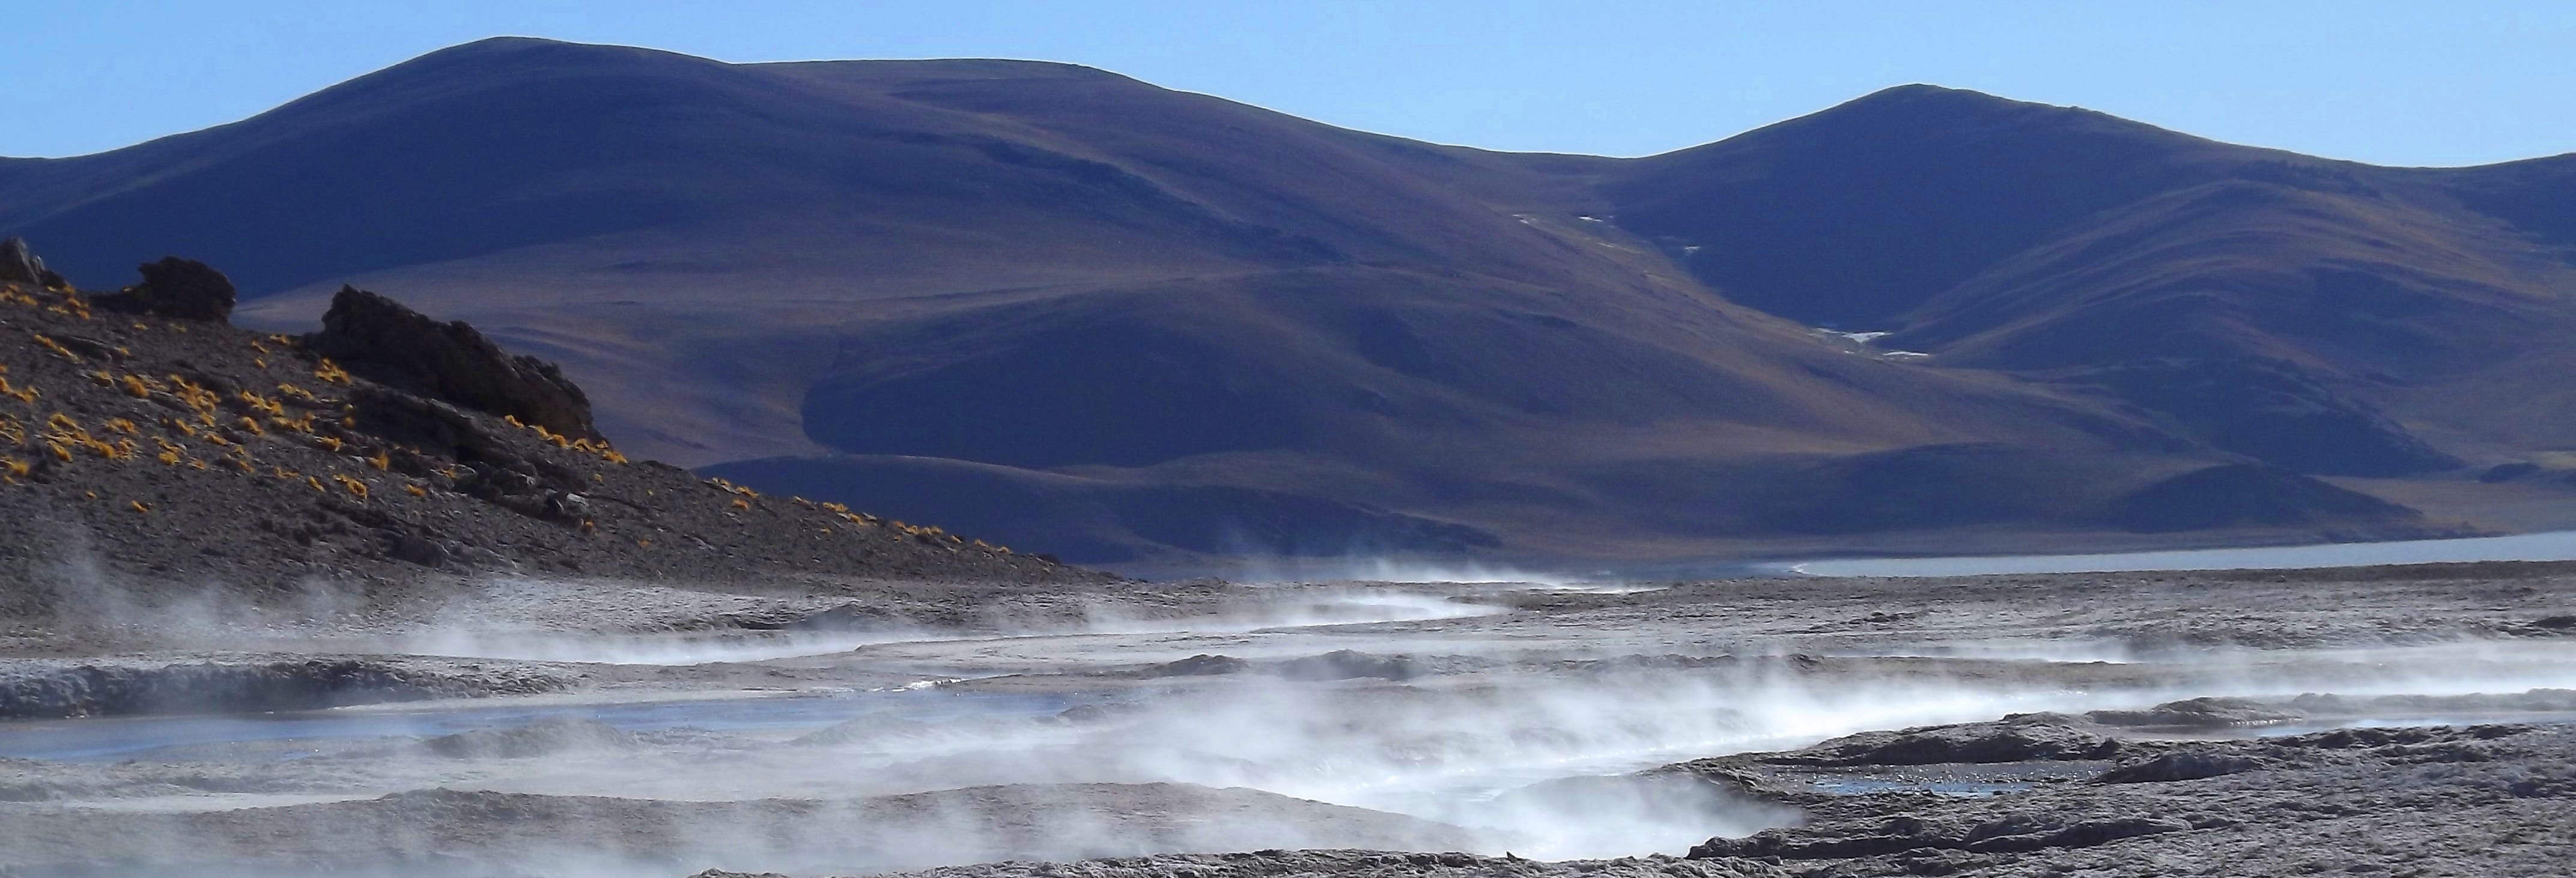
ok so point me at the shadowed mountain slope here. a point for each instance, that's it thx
(1070, 290)
(2004, 235)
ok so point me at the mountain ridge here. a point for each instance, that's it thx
(994, 260)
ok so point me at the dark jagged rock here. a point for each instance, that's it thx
(20, 266)
(182, 288)
(387, 341)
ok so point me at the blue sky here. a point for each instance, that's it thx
(2393, 83)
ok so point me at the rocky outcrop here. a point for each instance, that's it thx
(182, 288)
(20, 266)
(386, 341)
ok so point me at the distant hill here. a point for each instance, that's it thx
(1192, 328)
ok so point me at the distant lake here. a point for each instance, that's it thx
(2552, 546)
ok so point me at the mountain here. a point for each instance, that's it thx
(1144, 326)
(2269, 303)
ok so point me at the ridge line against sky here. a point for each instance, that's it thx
(2386, 83)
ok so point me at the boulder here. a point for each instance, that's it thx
(183, 288)
(19, 266)
(388, 342)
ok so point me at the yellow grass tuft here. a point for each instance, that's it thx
(56, 347)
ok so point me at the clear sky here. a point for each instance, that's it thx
(2393, 83)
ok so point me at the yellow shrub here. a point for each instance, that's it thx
(56, 347)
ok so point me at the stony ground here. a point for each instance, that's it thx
(149, 460)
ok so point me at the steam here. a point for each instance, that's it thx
(1342, 715)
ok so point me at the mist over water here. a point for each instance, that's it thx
(1456, 723)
